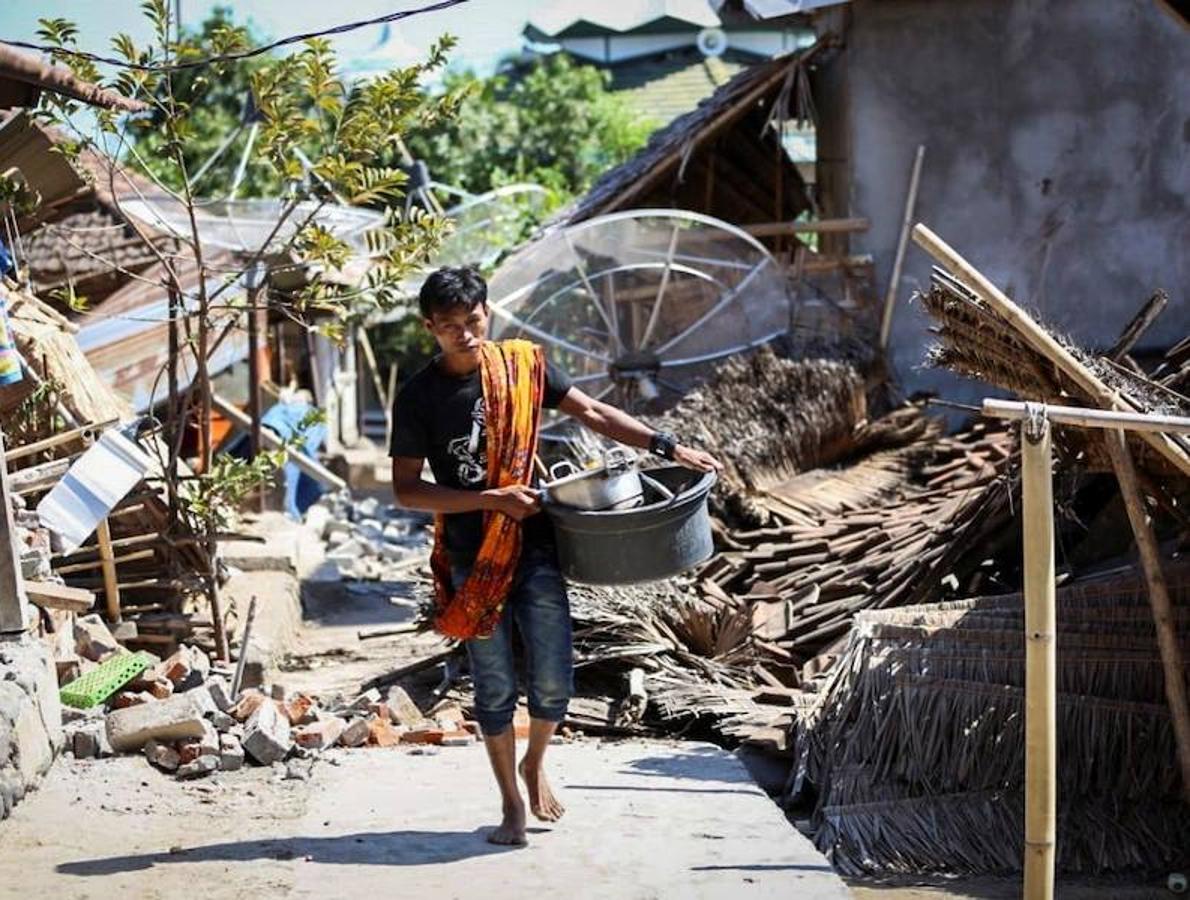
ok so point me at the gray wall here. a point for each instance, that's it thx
(1057, 140)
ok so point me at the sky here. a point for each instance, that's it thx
(487, 29)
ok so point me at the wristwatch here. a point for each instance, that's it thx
(663, 443)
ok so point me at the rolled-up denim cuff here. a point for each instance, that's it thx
(548, 713)
(492, 725)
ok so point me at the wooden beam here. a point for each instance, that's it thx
(821, 226)
(1139, 324)
(51, 595)
(1039, 339)
(13, 602)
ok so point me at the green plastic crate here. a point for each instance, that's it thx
(99, 684)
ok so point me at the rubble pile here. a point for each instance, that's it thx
(365, 539)
(183, 715)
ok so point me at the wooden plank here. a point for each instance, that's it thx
(819, 226)
(13, 603)
(51, 595)
(894, 281)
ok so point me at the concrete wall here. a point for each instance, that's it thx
(30, 718)
(1057, 156)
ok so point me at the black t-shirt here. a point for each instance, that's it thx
(440, 417)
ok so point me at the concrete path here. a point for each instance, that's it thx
(644, 820)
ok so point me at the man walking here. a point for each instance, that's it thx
(474, 413)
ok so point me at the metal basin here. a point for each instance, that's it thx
(646, 543)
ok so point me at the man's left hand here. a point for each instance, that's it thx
(698, 460)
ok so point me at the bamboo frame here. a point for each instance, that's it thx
(1038, 338)
(1041, 698)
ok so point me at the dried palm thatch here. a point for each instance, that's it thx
(918, 736)
(975, 341)
(767, 417)
(50, 350)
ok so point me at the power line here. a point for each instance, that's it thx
(243, 54)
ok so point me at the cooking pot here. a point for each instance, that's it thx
(615, 484)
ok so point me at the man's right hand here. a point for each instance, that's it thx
(516, 500)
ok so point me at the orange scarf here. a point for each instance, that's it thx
(513, 374)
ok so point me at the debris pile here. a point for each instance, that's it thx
(366, 540)
(184, 715)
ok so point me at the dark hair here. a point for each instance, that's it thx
(452, 286)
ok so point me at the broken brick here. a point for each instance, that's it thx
(322, 733)
(231, 753)
(249, 702)
(381, 733)
(199, 768)
(125, 699)
(423, 736)
(298, 709)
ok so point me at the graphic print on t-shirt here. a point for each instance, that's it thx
(470, 452)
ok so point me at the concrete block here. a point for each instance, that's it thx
(163, 756)
(199, 768)
(318, 519)
(363, 702)
(220, 691)
(222, 721)
(181, 716)
(267, 737)
(92, 638)
(85, 743)
(356, 733)
(231, 753)
(125, 631)
(401, 709)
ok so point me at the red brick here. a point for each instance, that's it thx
(382, 734)
(177, 668)
(320, 734)
(423, 736)
(249, 703)
(297, 710)
(124, 699)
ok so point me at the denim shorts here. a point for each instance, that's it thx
(540, 608)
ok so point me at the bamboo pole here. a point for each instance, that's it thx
(1090, 418)
(389, 396)
(111, 587)
(1040, 659)
(894, 281)
(1163, 620)
(1037, 338)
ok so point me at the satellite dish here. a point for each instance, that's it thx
(244, 226)
(712, 42)
(490, 224)
(637, 306)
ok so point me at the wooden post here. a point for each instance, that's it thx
(254, 379)
(1038, 338)
(1163, 618)
(894, 281)
(1040, 658)
(389, 396)
(14, 605)
(111, 587)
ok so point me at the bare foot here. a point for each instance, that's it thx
(511, 831)
(541, 799)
